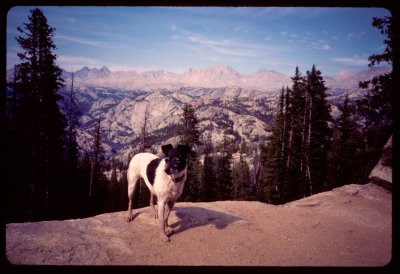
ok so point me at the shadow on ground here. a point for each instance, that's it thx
(192, 216)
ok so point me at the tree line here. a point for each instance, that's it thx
(306, 152)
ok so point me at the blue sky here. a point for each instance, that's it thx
(178, 38)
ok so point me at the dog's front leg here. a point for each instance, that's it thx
(161, 220)
(168, 209)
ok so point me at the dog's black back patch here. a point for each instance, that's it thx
(151, 170)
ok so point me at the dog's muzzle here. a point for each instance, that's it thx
(171, 170)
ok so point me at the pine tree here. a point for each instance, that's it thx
(263, 171)
(145, 131)
(85, 171)
(114, 190)
(72, 188)
(123, 186)
(377, 105)
(318, 138)
(296, 136)
(346, 149)
(223, 172)
(208, 190)
(241, 180)
(190, 136)
(189, 131)
(98, 186)
(294, 161)
(39, 124)
(275, 162)
(142, 193)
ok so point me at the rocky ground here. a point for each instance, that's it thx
(348, 226)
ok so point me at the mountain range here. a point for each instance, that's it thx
(227, 104)
(213, 77)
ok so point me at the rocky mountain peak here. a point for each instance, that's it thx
(105, 71)
(343, 74)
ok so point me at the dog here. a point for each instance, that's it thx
(165, 179)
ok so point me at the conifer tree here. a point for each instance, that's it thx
(145, 131)
(98, 187)
(123, 186)
(189, 131)
(377, 105)
(39, 125)
(240, 180)
(72, 188)
(294, 160)
(190, 136)
(114, 190)
(263, 172)
(223, 172)
(208, 190)
(346, 149)
(296, 135)
(318, 137)
(275, 162)
(142, 193)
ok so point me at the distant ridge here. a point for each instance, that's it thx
(217, 76)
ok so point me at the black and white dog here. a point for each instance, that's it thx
(165, 179)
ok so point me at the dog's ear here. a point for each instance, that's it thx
(184, 149)
(166, 148)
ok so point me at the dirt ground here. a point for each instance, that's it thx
(349, 226)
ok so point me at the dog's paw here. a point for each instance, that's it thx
(129, 218)
(165, 238)
(168, 231)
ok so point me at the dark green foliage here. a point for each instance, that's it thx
(209, 176)
(194, 183)
(316, 158)
(189, 135)
(386, 28)
(114, 191)
(72, 207)
(123, 190)
(37, 125)
(294, 162)
(262, 178)
(189, 131)
(319, 134)
(99, 184)
(82, 192)
(273, 155)
(223, 172)
(142, 195)
(347, 149)
(241, 180)
(377, 106)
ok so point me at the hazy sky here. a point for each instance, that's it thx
(178, 38)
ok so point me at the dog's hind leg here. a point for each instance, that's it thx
(152, 205)
(132, 182)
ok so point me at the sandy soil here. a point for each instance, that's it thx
(349, 226)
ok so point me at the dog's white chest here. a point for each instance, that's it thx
(166, 189)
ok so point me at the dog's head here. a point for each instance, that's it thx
(176, 158)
